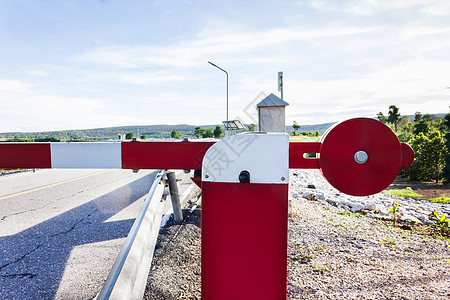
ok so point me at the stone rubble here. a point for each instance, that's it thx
(310, 184)
(332, 253)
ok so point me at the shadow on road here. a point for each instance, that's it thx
(32, 262)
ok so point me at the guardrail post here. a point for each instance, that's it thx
(175, 196)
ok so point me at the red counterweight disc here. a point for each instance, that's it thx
(360, 156)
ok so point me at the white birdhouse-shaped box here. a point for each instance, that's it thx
(271, 114)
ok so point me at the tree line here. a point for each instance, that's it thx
(296, 127)
(217, 132)
(429, 136)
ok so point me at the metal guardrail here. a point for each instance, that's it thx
(127, 278)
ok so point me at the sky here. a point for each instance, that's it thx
(88, 64)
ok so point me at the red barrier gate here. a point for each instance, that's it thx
(245, 189)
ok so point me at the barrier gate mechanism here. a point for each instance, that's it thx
(244, 250)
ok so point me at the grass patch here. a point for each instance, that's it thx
(303, 138)
(441, 237)
(404, 193)
(347, 213)
(440, 200)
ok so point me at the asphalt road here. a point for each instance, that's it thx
(61, 230)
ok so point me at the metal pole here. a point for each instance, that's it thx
(226, 128)
(137, 114)
(281, 92)
(280, 83)
(227, 104)
(173, 187)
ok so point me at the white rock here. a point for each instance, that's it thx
(377, 205)
(334, 200)
(422, 218)
(370, 205)
(320, 196)
(348, 202)
(410, 218)
(383, 211)
(357, 207)
(307, 194)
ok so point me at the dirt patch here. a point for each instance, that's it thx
(427, 189)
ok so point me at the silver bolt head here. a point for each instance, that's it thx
(361, 157)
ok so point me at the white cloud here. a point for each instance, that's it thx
(414, 86)
(25, 107)
(369, 7)
(400, 79)
(438, 8)
(11, 88)
(336, 66)
(410, 32)
(190, 54)
(145, 78)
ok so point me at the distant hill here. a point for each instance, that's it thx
(151, 131)
(433, 116)
(321, 128)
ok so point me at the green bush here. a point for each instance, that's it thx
(430, 152)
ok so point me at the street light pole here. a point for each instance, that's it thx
(226, 129)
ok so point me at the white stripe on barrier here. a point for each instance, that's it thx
(86, 155)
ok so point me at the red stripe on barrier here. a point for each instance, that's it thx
(25, 155)
(164, 155)
(296, 151)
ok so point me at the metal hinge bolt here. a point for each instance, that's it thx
(361, 157)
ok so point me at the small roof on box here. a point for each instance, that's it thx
(272, 100)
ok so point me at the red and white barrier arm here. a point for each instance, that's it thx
(127, 155)
(107, 155)
(351, 155)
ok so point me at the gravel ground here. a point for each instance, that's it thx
(335, 254)
(332, 254)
